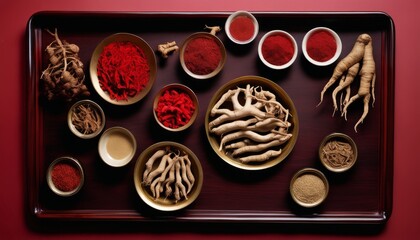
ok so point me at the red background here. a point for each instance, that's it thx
(403, 222)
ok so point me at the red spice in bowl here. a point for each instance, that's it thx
(65, 176)
(241, 27)
(277, 49)
(321, 46)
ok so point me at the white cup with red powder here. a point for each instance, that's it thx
(277, 49)
(241, 27)
(321, 46)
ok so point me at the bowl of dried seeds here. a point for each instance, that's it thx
(86, 119)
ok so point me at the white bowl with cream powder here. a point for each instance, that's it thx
(117, 146)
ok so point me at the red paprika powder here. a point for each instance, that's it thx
(242, 28)
(202, 55)
(277, 49)
(65, 176)
(321, 46)
(123, 70)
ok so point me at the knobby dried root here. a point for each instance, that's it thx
(166, 48)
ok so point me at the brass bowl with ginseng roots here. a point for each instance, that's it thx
(338, 152)
(168, 176)
(251, 123)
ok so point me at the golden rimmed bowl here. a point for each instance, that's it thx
(117, 146)
(277, 33)
(51, 179)
(281, 96)
(167, 203)
(309, 187)
(181, 89)
(96, 108)
(208, 36)
(337, 41)
(335, 162)
(151, 60)
(233, 17)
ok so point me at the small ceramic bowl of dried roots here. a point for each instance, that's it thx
(338, 152)
(86, 119)
(309, 187)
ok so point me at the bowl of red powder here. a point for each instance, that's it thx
(321, 46)
(123, 68)
(241, 27)
(202, 55)
(277, 49)
(175, 107)
(65, 176)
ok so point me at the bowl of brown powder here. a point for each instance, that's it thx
(338, 152)
(309, 187)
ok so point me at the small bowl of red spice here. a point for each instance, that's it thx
(321, 46)
(241, 27)
(202, 55)
(65, 176)
(123, 68)
(175, 107)
(277, 49)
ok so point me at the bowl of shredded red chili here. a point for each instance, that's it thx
(175, 107)
(123, 68)
(65, 176)
(321, 46)
(277, 49)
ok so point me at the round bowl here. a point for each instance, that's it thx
(322, 58)
(338, 152)
(277, 49)
(117, 146)
(165, 202)
(309, 187)
(149, 55)
(65, 176)
(245, 27)
(217, 69)
(179, 88)
(76, 116)
(281, 96)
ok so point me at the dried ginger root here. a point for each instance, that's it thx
(251, 129)
(166, 48)
(64, 77)
(213, 29)
(347, 69)
(169, 172)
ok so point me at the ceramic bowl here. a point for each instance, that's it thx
(97, 113)
(309, 187)
(278, 48)
(325, 60)
(53, 177)
(165, 202)
(244, 39)
(340, 142)
(117, 146)
(180, 88)
(151, 60)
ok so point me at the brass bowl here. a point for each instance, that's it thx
(164, 203)
(151, 59)
(309, 187)
(202, 35)
(67, 160)
(183, 89)
(96, 108)
(281, 96)
(341, 137)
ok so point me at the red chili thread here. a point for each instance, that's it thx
(123, 70)
(65, 177)
(174, 108)
(321, 46)
(242, 28)
(277, 49)
(202, 55)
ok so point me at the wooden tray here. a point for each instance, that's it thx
(362, 195)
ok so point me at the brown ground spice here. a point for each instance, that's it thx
(309, 188)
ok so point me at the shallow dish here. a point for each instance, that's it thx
(180, 88)
(328, 59)
(151, 60)
(309, 187)
(163, 202)
(277, 46)
(206, 36)
(67, 178)
(341, 154)
(244, 37)
(280, 95)
(97, 113)
(117, 146)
